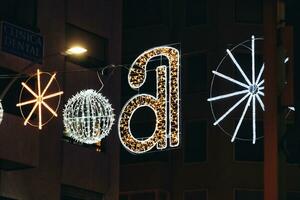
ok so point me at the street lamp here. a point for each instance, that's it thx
(76, 50)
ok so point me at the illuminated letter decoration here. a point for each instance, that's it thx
(167, 120)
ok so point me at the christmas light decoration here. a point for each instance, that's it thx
(88, 117)
(136, 78)
(252, 90)
(40, 98)
(292, 108)
(1, 112)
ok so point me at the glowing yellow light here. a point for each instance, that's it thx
(39, 99)
(76, 50)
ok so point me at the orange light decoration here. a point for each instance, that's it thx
(39, 102)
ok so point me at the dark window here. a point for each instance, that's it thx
(248, 11)
(74, 193)
(248, 195)
(20, 12)
(6, 198)
(145, 13)
(163, 196)
(195, 141)
(293, 196)
(195, 70)
(245, 150)
(96, 46)
(292, 144)
(195, 195)
(11, 98)
(143, 196)
(123, 197)
(195, 12)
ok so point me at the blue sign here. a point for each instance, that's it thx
(22, 42)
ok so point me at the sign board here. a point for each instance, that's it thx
(21, 42)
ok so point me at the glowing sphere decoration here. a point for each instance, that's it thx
(88, 117)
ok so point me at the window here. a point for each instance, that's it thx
(248, 11)
(195, 141)
(123, 197)
(292, 144)
(195, 68)
(195, 195)
(195, 12)
(6, 198)
(20, 12)
(147, 195)
(248, 195)
(11, 98)
(145, 13)
(96, 55)
(74, 193)
(245, 150)
(293, 196)
(163, 195)
(143, 196)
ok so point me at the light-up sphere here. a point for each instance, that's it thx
(1, 112)
(88, 117)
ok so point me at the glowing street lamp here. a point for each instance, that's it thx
(76, 50)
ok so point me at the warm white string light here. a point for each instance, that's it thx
(88, 117)
(159, 103)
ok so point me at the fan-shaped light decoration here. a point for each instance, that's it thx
(1, 112)
(88, 117)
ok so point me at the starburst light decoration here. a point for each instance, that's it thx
(159, 104)
(252, 90)
(39, 99)
(88, 117)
